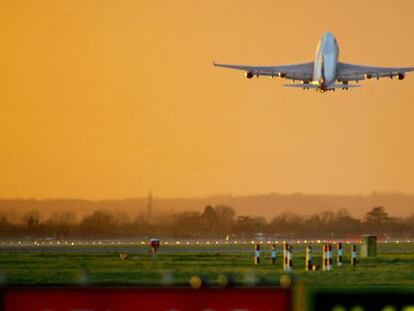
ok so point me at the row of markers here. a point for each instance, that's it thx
(327, 257)
(192, 242)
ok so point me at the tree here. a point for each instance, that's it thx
(225, 219)
(209, 216)
(63, 218)
(60, 224)
(188, 224)
(225, 214)
(286, 224)
(99, 222)
(247, 225)
(345, 224)
(32, 219)
(377, 216)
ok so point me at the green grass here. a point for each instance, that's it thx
(394, 266)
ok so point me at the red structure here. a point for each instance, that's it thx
(125, 299)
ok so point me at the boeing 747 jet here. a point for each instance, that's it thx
(323, 73)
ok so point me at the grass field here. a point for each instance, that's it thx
(394, 266)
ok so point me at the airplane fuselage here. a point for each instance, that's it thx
(326, 60)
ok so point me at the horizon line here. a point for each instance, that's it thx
(154, 197)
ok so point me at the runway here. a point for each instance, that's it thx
(167, 246)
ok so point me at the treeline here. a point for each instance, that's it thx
(212, 222)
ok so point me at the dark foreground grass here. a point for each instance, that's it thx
(394, 266)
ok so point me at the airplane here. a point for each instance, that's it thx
(323, 73)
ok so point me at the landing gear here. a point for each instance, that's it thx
(345, 85)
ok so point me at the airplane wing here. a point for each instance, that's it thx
(313, 86)
(349, 72)
(299, 72)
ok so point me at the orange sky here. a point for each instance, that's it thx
(107, 99)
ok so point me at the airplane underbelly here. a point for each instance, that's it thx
(329, 69)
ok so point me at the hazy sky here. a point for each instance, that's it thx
(107, 99)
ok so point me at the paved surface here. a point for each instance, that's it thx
(121, 249)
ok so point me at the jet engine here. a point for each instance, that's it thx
(368, 76)
(401, 76)
(249, 75)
